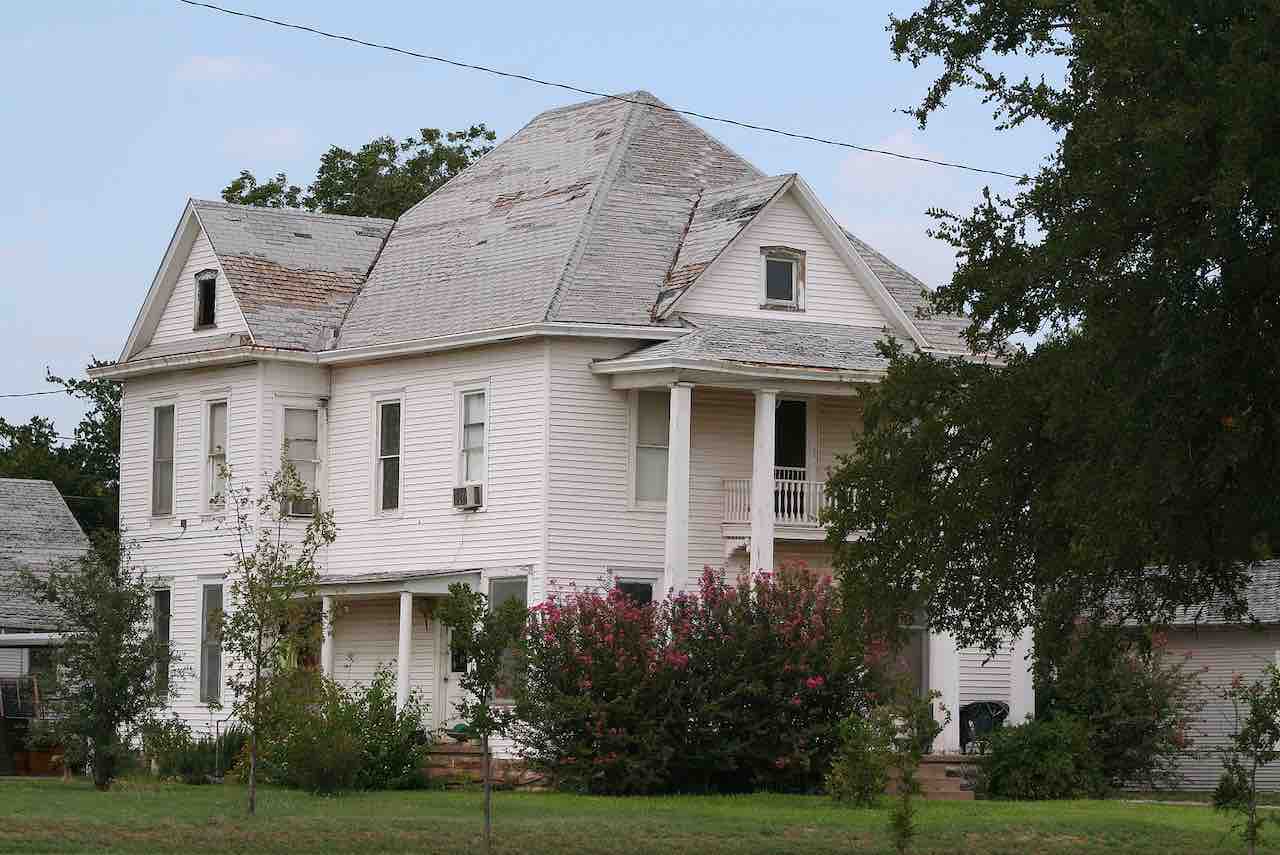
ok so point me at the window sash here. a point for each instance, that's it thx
(474, 436)
(302, 449)
(782, 287)
(388, 463)
(217, 452)
(653, 438)
(162, 440)
(210, 644)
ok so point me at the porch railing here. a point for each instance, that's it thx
(19, 697)
(796, 502)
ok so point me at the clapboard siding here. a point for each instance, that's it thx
(426, 533)
(1221, 653)
(731, 286)
(178, 319)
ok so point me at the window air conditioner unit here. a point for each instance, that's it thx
(468, 498)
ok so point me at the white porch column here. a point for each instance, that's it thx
(762, 483)
(677, 539)
(1022, 695)
(406, 647)
(326, 642)
(944, 678)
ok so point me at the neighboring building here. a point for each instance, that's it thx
(611, 350)
(1223, 649)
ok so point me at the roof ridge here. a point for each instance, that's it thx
(599, 194)
(295, 212)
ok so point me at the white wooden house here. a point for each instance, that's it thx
(610, 351)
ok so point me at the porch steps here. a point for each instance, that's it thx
(944, 777)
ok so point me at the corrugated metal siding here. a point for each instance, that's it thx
(178, 318)
(732, 285)
(1222, 653)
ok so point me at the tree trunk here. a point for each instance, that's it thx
(488, 790)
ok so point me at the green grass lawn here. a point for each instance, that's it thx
(140, 816)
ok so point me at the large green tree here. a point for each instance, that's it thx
(86, 469)
(1144, 258)
(383, 178)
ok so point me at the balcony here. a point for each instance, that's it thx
(797, 504)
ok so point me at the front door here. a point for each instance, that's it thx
(449, 667)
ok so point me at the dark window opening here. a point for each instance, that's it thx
(205, 292)
(640, 593)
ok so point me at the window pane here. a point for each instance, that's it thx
(779, 279)
(651, 474)
(390, 483)
(473, 408)
(501, 590)
(654, 426)
(163, 445)
(300, 424)
(218, 427)
(473, 465)
(473, 437)
(389, 435)
(641, 593)
(162, 487)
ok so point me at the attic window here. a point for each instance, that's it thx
(781, 278)
(206, 282)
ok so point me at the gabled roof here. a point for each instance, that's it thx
(37, 531)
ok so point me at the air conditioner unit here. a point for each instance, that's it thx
(468, 498)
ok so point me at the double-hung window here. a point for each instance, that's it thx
(162, 461)
(211, 643)
(302, 449)
(216, 454)
(474, 429)
(503, 590)
(388, 464)
(653, 436)
(161, 611)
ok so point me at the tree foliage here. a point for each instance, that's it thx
(1142, 429)
(383, 178)
(112, 669)
(271, 586)
(86, 470)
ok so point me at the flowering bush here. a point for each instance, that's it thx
(736, 687)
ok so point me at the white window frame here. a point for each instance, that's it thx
(160, 404)
(639, 576)
(460, 397)
(633, 452)
(211, 276)
(794, 257)
(206, 437)
(375, 446)
(306, 403)
(205, 582)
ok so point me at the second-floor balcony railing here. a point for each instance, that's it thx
(796, 501)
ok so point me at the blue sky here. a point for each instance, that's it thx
(115, 113)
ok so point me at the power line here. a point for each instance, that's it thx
(33, 394)
(595, 94)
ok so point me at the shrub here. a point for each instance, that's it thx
(736, 687)
(1137, 699)
(329, 738)
(1043, 759)
(860, 771)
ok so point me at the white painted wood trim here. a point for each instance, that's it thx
(762, 458)
(405, 649)
(677, 521)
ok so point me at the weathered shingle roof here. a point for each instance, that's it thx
(1262, 595)
(764, 341)
(293, 272)
(37, 531)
